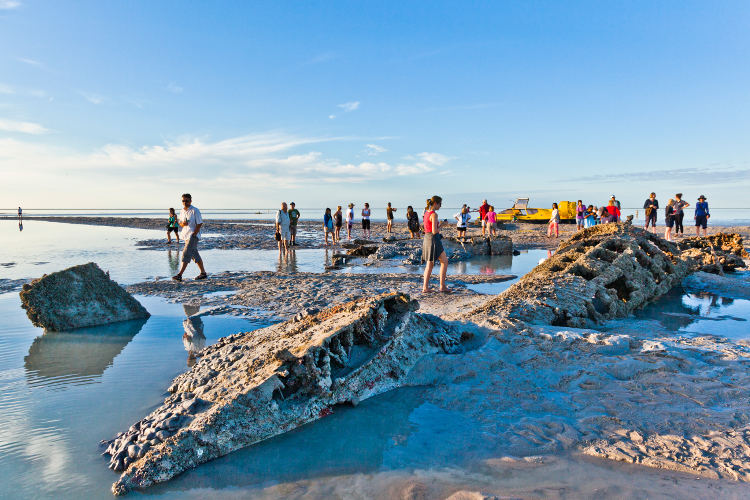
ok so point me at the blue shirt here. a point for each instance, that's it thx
(328, 221)
(701, 209)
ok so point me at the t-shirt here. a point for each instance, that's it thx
(349, 215)
(282, 219)
(366, 214)
(701, 209)
(483, 210)
(389, 212)
(192, 216)
(490, 217)
(328, 221)
(678, 206)
(293, 216)
(580, 212)
(555, 216)
(462, 219)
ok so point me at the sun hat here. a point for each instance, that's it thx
(701, 197)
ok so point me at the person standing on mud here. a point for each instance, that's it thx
(432, 246)
(679, 214)
(412, 222)
(389, 216)
(282, 227)
(293, 218)
(580, 214)
(669, 219)
(554, 222)
(366, 221)
(349, 221)
(338, 219)
(191, 221)
(619, 207)
(483, 209)
(651, 205)
(701, 216)
(328, 226)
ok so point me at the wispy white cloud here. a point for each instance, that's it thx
(92, 97)
(9, 4)
(30, 62)
(320, 58)
(331, 117)
(374, 149)
(174, 88)
(350, 106)
(22, 127)
(269, 160)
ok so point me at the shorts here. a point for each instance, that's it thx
(366, 224)
(328, 230)
(293, 230)
(286, 234)
(349, 223)
(701, 221)
(432, 247)
(170, 229)
(338, 225)
(190, 251)
(461, 229)
(669, 222)
(579, 220)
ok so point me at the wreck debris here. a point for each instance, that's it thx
(78, 297)
(603, 272)
(251, 386)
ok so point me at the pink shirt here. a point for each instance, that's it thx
(490, 217)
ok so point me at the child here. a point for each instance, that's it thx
(328, 226)
(590, 219)
(172, 226)
(554, 222)
(462, 219)
(490, 218)
(580, 214)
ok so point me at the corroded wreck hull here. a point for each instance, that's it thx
(251, 386)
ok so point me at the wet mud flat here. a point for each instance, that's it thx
(532, 371)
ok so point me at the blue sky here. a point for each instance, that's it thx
(244, 104)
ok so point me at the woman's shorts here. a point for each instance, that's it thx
(366, 224)
(461, 229)
(669, 222)
(170, 229)
(328, 230)
(432, 247)
(701, 221)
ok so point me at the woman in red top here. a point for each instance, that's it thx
(613, 211)
(432, 246)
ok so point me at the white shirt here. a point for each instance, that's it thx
(192, 216)
(462, 219)
(282, 219)
(555, 216)
(349, 214)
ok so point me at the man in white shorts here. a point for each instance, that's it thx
(191, 221)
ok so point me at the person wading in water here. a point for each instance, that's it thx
(432, 246)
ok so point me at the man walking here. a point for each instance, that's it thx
(191, 222)
(651, 206)
(293, 217)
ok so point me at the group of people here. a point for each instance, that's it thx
(674, 214)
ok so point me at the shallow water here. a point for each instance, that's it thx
(61, 393)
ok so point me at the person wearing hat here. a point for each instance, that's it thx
(619, 207)
(701, 216)
(349, 220)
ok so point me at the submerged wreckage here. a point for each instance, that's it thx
(249, 387)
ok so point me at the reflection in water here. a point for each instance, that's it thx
(193, 338)
(174, 260)
(288, 261)
(78, 356)
(20, 224)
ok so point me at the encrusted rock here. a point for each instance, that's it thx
(716, 254)
(78, 297)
